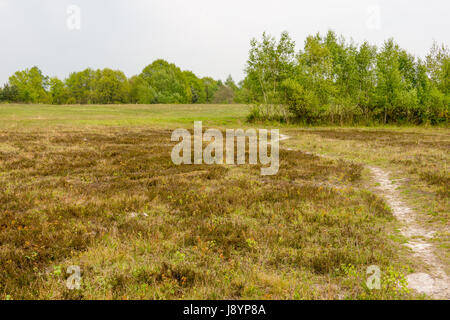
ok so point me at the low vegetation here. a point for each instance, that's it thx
(109, 199)
(140, 227)
(417, 157)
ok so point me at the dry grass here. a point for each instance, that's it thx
(111, 201)
(417, 157)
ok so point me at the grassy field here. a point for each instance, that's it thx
(94, 186)
(160, 116)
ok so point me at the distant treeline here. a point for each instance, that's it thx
(335, 81)
(160, 82)
(330, 81)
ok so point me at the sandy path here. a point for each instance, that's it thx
(436, 283)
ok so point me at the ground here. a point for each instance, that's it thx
(94, 186)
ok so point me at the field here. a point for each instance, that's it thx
(95, 187)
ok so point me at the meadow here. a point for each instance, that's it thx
(94, 186)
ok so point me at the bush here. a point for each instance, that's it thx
(71, 100)
(303, 103)
(342, 110)
(224, 95)
(405, 103)
(438, 109)
(269, 112)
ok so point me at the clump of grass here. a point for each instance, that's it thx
(438, 178)
(269, 112)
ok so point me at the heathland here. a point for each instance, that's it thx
(94, 186)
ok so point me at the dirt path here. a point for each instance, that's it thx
(436, 283)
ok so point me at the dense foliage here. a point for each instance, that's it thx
(159, 82)
(334, 81)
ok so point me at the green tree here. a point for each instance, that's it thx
(389, 78)
(58, 91)
(438, 65)
(10, 93)
(168, 83)
(365, 77)
(31, 85)
(110, 86)
(338, 81)
(81, 86)
(315, 69)
(301, 101)
(140, 91)
(229, 82)
(211, 87)
(270, 62)
(243, 94)
(224, 95)
(196, 87)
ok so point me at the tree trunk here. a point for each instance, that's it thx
(385, 115)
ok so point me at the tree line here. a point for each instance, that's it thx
(159, 82)
(332, 80)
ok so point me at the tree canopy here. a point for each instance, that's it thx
(329, 80)
(332, 80)
(159, 82)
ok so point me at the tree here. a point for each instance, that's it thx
(365, 76)
(269, 64)
(332, 79)
(224, 95)
(243, 94)
(438, 65)
(167, 81)
(389, 78)
(231, 84)
(302, 102)
(140, 91)
(110, 86)
(238, 91)
(343, 64)
(10, 93)
(315, 69)
(438, 107)
(81, 86)
(159, 82)
(31, 85)
(58, 91)
(211, 87)
(196, 86)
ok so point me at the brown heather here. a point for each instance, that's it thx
(111, 201)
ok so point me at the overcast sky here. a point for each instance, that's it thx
(209, 37)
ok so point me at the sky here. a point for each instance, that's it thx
(208, 37)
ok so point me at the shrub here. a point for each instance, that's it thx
(303, 103)
(269, 112)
